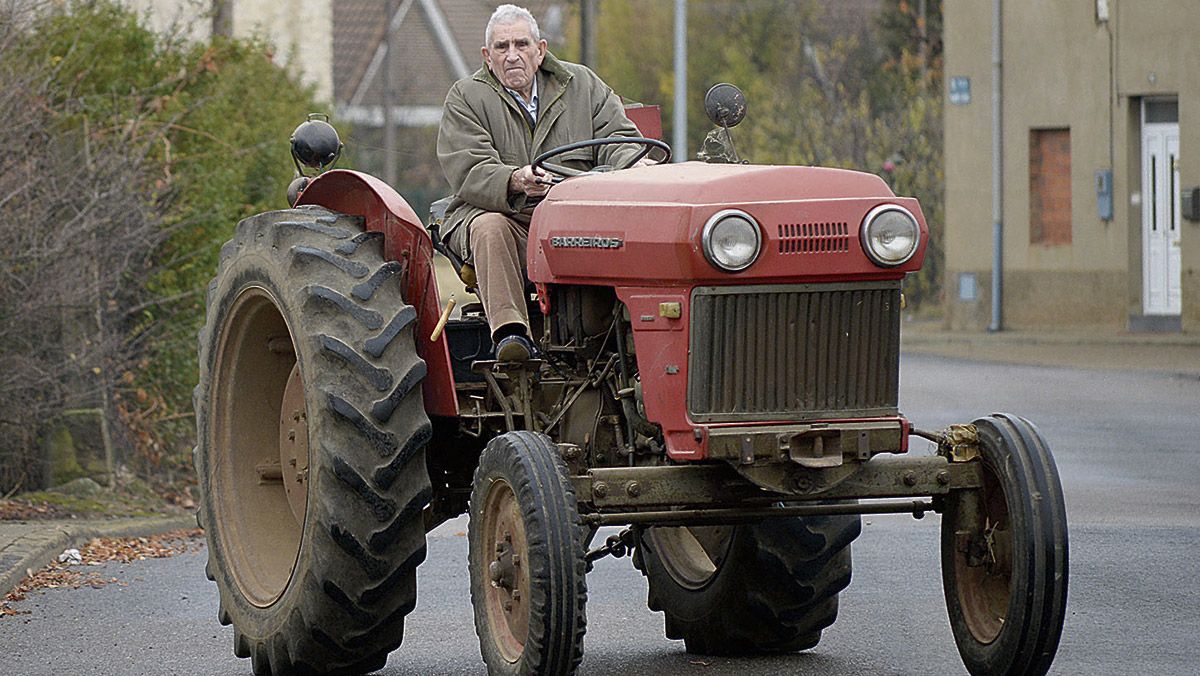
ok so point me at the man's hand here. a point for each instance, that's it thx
(526, 181)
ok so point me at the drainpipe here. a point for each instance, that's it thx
(997, 171)
(587, 34)
(391, 173)
(680, 123)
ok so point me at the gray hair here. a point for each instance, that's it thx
(509, 14)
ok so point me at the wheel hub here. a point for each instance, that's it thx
(505, 567)
(293, 444)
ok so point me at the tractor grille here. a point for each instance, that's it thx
(814, 238)
(794, 352)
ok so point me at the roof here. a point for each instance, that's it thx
(421, 69)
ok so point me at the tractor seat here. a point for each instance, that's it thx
(464, 270)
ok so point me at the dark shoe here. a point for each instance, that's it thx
(514, 349)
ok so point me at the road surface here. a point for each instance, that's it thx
(1127, 446)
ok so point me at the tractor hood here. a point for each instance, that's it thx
(698, 183)
(644, 226)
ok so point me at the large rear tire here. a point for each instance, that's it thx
(767, 587)
(527, 562)
(311, 444)
(1004, 554)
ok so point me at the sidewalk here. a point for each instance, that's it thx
(29, 545)
(1151, 352)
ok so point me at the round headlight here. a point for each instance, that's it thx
(890, 235)
(731, 240)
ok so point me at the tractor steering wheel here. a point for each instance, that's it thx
(562, 172)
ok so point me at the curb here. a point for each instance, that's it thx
(38, 546)
(923, 338)
(1169, 354)
(1177, 364)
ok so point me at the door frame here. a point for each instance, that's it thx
(1161, 203)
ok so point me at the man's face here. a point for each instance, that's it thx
(514, 56)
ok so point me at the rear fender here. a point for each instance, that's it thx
(406, 241)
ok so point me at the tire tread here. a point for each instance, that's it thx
(775, 593)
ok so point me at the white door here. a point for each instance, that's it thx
(1160, 216)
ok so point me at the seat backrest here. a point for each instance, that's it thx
(648, 119)
(437, 217)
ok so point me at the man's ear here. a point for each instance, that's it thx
(542, 46)
(485, 54)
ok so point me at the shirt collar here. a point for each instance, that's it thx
(532, 104)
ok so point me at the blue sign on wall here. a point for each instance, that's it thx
(960, 90)
(1104, 194)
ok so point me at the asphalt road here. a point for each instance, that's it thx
(1128, 449)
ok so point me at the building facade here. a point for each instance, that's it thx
(301, 31)
(1099, 117)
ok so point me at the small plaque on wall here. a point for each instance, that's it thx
(967, 289)
(960, 90)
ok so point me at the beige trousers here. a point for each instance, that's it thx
(498, 250)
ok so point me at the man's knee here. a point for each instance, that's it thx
(490, 228)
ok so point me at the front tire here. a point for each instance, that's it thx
(311, 444)
(766, 587)
(527, 562)
(1004, 554)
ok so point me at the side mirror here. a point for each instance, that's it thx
(725, 105)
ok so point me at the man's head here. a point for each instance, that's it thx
(513, 48)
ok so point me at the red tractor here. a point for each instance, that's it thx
(718, 372)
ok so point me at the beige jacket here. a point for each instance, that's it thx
(484, 137)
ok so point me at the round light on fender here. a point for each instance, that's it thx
(731, 240)
(890, 235)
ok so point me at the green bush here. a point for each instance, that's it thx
(131, 155)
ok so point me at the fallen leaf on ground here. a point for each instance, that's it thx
(99, 551)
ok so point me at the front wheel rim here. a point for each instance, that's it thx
(983, 561)
(505, 567)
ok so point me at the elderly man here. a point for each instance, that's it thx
(522, 102)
